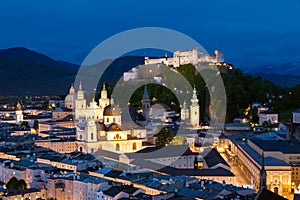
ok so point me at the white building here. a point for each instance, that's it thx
(268, 116)
(193, 56)
(185, 112)
(99, 126)
(19, 113)
(296, 116)
(194, 110)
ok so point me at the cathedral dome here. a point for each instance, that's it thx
(71, 98)
(112, 110)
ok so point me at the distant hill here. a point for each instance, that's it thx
(282, 80)
(290, 68)
(26, 72)
(26, 55)
(286, 75)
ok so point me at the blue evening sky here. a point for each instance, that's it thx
(249, 32)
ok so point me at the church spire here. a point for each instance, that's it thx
(72, 90)
(80, 86)
(194, 110)
(80, 93)
(112, 101)
(194, 99)
(146, 104)
(104, 92)
(184, 105)
(146, 94)
(19, 107)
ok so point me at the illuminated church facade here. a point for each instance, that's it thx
(98, 126)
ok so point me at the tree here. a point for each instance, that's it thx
(35, 124)
(267, 125)
(15, 184)
(12, 183)
(164, 137)
(25, 124)
(21, 184)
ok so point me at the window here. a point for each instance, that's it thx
(134, 146)
(117, 147)
(92, 136)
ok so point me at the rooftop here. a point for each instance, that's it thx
(278, 145)
(213, 158)
(269, 161)
(161, 152)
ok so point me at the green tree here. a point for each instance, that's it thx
(35, 124)
(12, 183)
(24, 124)
(15, 184)
(21, 184)
(164, 137)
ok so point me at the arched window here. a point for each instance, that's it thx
(134, 146)
(80, 137)
(80, 149)
(107, 119)
(114, 120)
(117, 147)
(92, 136)
(276, 190)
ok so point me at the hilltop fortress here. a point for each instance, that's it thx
(193, 56)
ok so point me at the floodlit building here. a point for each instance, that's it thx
(98, 126)
(193, 56)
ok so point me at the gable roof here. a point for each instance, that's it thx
(213, 158)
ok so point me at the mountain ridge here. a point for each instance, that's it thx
(26, 72)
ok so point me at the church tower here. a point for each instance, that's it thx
(80, 103)
(19, 113)
(91, 131)
(184, 112)
(194, 110)
(146, 104)
(103, 101)
(263, 174)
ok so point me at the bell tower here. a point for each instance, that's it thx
(19, 113)
(146, 104)
(91, 131)
(80, 103)
(194, 110)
